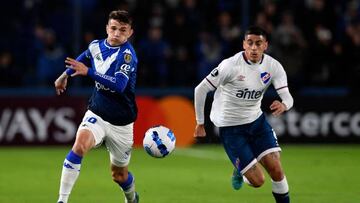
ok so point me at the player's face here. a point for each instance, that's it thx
(118, 32)
(254, 46)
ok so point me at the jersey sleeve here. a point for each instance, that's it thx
(281, 86)
(219, 75)
(125, 65)
(84, 57)
(279, 76)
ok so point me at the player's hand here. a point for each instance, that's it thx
(60, 83)
(77, 66)
(199, 131)
(277, 107)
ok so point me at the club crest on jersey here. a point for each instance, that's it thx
(265, 77)
(214, 72)
(127, 58)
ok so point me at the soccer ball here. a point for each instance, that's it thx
(159, 141)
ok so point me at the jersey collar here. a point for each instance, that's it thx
(109, 46)
(251, 63)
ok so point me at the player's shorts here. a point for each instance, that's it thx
(246, 144)
(118, 139)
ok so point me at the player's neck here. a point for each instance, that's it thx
(250, 62)
(112, 45)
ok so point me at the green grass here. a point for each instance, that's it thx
(316, 174)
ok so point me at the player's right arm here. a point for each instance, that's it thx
(219, 75)
(199, 99)
(61, 82)
(210, 83)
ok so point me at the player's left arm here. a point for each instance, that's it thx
(280, 83)
(286, 103)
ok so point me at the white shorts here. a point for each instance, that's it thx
(118, 139)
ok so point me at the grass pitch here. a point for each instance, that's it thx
(201, 174)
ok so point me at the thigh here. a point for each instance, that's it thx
(272, 164)
(119, 141)
(237, 147)
(93, 123)
(263, 139)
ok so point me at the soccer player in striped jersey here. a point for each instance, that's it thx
(239, 83)
(112, 64)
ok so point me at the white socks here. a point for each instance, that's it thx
(69, 175)
(280, 187)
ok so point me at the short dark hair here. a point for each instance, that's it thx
(121, 16)
(256, 30)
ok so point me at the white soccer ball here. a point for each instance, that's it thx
(159, 141)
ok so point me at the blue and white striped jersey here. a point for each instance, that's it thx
(114, 71)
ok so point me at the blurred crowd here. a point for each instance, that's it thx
(178, 42)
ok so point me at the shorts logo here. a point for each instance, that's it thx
(237, 163)
(265, 77)
(214, 72)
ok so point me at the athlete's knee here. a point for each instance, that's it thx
(119, 175)
(276, 173)
(83, 143)
(255, 176)
(80, 148)
(257, 181)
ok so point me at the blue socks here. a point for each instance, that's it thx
(282, 198)
(128, 183)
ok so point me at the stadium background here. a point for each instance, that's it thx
(178, 42)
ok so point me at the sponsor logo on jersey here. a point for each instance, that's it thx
(125, 68)
(248, 94)
(265, 77)
(100, 86)
(214, 72)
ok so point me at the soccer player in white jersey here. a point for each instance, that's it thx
(239, 83)
(112, 110)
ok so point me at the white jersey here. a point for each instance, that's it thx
(240, 86)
